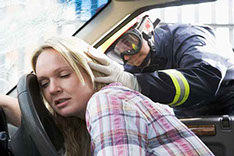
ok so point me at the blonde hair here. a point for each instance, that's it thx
(72, 49)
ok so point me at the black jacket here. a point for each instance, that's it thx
(190, 70)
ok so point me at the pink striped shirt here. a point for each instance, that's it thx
(123, 122)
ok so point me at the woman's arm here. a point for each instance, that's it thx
(11, 109)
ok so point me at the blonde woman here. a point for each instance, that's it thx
(105, 119)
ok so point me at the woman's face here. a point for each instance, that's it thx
(60, 85)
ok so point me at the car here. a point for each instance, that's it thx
(100, 23)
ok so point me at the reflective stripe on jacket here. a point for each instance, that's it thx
(188, 67)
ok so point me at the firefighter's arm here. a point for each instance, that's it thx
(180, 87)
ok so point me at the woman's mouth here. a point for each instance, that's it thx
(62, 102)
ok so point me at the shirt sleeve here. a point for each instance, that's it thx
(115, 127)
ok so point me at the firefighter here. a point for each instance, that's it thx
(182, 65)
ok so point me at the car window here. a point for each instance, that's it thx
(205, 14)
(219, 15)
(25, 24)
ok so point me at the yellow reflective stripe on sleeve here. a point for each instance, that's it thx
(186, 89)
(177, 87)
(181, 86)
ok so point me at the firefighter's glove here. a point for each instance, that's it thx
(114, 72)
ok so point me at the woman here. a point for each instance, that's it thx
(101, 119)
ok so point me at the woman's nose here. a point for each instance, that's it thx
(54, 87)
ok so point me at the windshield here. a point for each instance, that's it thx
(25, 24)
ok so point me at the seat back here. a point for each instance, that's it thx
(36, 118)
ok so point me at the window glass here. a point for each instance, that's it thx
(27, 23)
(217, 14)
(209, 13)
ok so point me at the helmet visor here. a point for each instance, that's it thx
(128, 44)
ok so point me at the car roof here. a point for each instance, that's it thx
(106, 22)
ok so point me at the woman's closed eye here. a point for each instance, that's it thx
(65, 75)
(44, 84)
